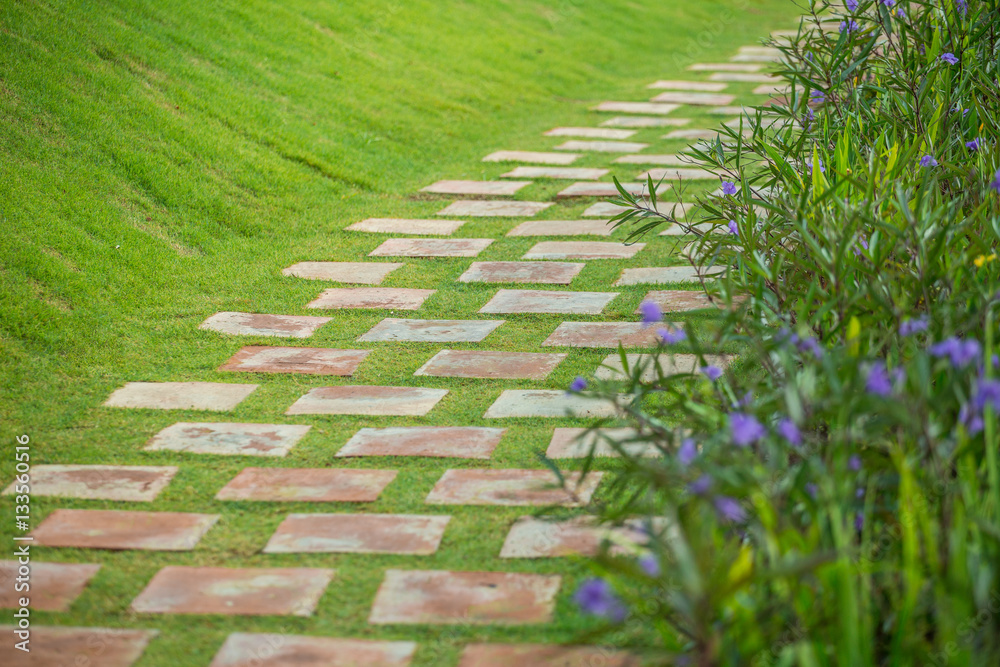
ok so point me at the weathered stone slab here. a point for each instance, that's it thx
(218, 396)
(661, 275)
(53, 586)
(699, 86)
(761, 50)
(358, 533)
(431, 248)
(495, 209)
(464, 598)
(562, 228)
(491, 365)
(566, 173)
(544, 655)
(360, 273)
(307, 360)
(258, 591)
(644, 121)
(724, 67)
(602, 334)
(602, 146)
(666, 160)
(367, 400)
(744, 77)
(547, 403)
(244, 649)
(99, 482)
(607, 210)
(674, 174)
(772, 89)
(709, 99)
(541, 301)
(672, 301)
(51, 645)
(380, 298)
(511, 487)
(678, 230)
(650, 108)
(533, 537)
(312, 485)
(430, 331)
(116, 529)
(754, 58)
(465, 442)
(229, 439)
(531, 157)
(608, 189)
(407, 226)
(691, 134)
(671, 364)
(727, 110)
(253, 324)
(589, 133)
(583, 250)
(577, 443)
(486, 188)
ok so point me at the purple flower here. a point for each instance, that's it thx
(995, 185)
(729, 188)
(849, 26)
(962, 6)
(987, 393)
(878, 382)
(913, 326)
(859, 492)
(901, 13)
(671, 336)
(854, 463)
(789, 431)
(713, 373)
(578, 384)
(928, 161)
(852, 5)
(745, 429)
(596, 597)
(687, 452)
(810, 345)
(973, 145)
(701, 485)
(812, 490)
(948, 58)
(969, 418)
(729, 509)
(959, 352)
(889, 3)
(859, 521)
(651, 312)
(817, 96)
(810, 117)
(733, 228)
(650, 565)
(822, 167)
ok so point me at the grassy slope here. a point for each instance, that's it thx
(163, 161)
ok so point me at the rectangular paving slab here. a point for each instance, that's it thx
(406, 226)
(89, 647)
(724, 67)
(217, 396)
(650, 108)
(491, 365)
(464, 598)
(692, 134)
(676, 174)
(744, 77)
(544, 655)
(431, 248)
(117, 529)
(578, 443)
(602, 334)
(251, 649)
(671, 364)
(644, 121)
(430, 331)
(671, 301)
(53, 586)
(228, 439)
(547, 403)
(367, 400)
(542, 301)
(495, 209)
(464, 442)
(254, 324)
(583, 250)
(360, 273)
(562, 228)
(380, 298)
(661, 275)
(608, 190)
(699, 86)
(311, 485)
(99, 482)
(511, 487)
(567, 173)
(602, 146)
(534, 537)
(487, 188)
(551, 273)
(669, 159)
(589, 133)
(258, 591)
(306, 360)
(531, 157)
(409, 534)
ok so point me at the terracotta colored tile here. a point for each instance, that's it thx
(464, 598)
(531, 157)
(607, 210)
(676, 174)
(670, 160)
(218, 396)
(644, 121)
(495, 209)
(699, 86)
(541, 301)
(608, 189)
(589, 133)
(550, 273)
(54, 586)
(744, 77)
(611, 367)
(89, 647)
(407, 226)
(541, 655)
(358, 534)
(229, 439)
(488, 188)
(308, 360)
(284, 591)
(602, 334)
(431, 331)
(577, 443)
(671, 301)
(533, 537)
(367, 400)
(431, 248)
(361, 273)
(313, 485)
(252, 324)
(511, 487)
(465, 442)
(651, 108)
(692, 134)
(547, 403)
(98, 482)
(566, 173)
(245, 649)
(663, 274)
(116, 529)
(724, 67)
(491, 365)
(381, 298)
(710, 99)
(582, 250)
(562, 228)
(602, 146)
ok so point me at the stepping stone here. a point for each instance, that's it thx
(743, 77)
(672, 301)
(367, 400)
(358, 534)
(511, 487)
(724, 67)
(381, 298)
(676, 364)
(218, 396)
(469, 442)
(607, 210)
(119, 530)
(98, 482)
(51, 646)
(406, 226)
(361, 273)
(692, 134)
(533, 157)
(754, 58)
(491, 365)
(602, 334)
(229, 439)
(544, 655)
(772, 89)
(650, 108)
(307, 360)
(577, 443)
(531, 537)
(761, 50)
(541, 301)
(464, 598)
(495, 209)
(589, 133)
(583, 250)
(54, 586)
(562, 228)
(667, 160)
(700, 86)
(668, 174)
(252, 324)
(547, 403)
(661, 274)
(246, 649)
(608, 189)
(488, 188)
(644, 121)
(566, 173)
(602, 146)
(710, 99)
(251, 591)
(310, 485)
(431, 331)
(431, 248)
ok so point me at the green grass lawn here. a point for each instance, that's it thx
(160, 162)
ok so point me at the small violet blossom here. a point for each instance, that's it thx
(733, 228)
(948, 58)
(973, 145)
(959, 352)
(878, 382)
(854, 463)
(913, 326)
(651, 312)
(577, 385)
(889, 3)
(701, 485)
(987, 393)
(650, 565)
(713, 373)
(790, 432)
(729, 188)
(729, 509)
(995, 185)
(962, 6)
(852, 5)
(849, 26)
(687, 452)
(817, 96)
(928, 161)
(597, 598)
(745, 429)
(671, 336)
